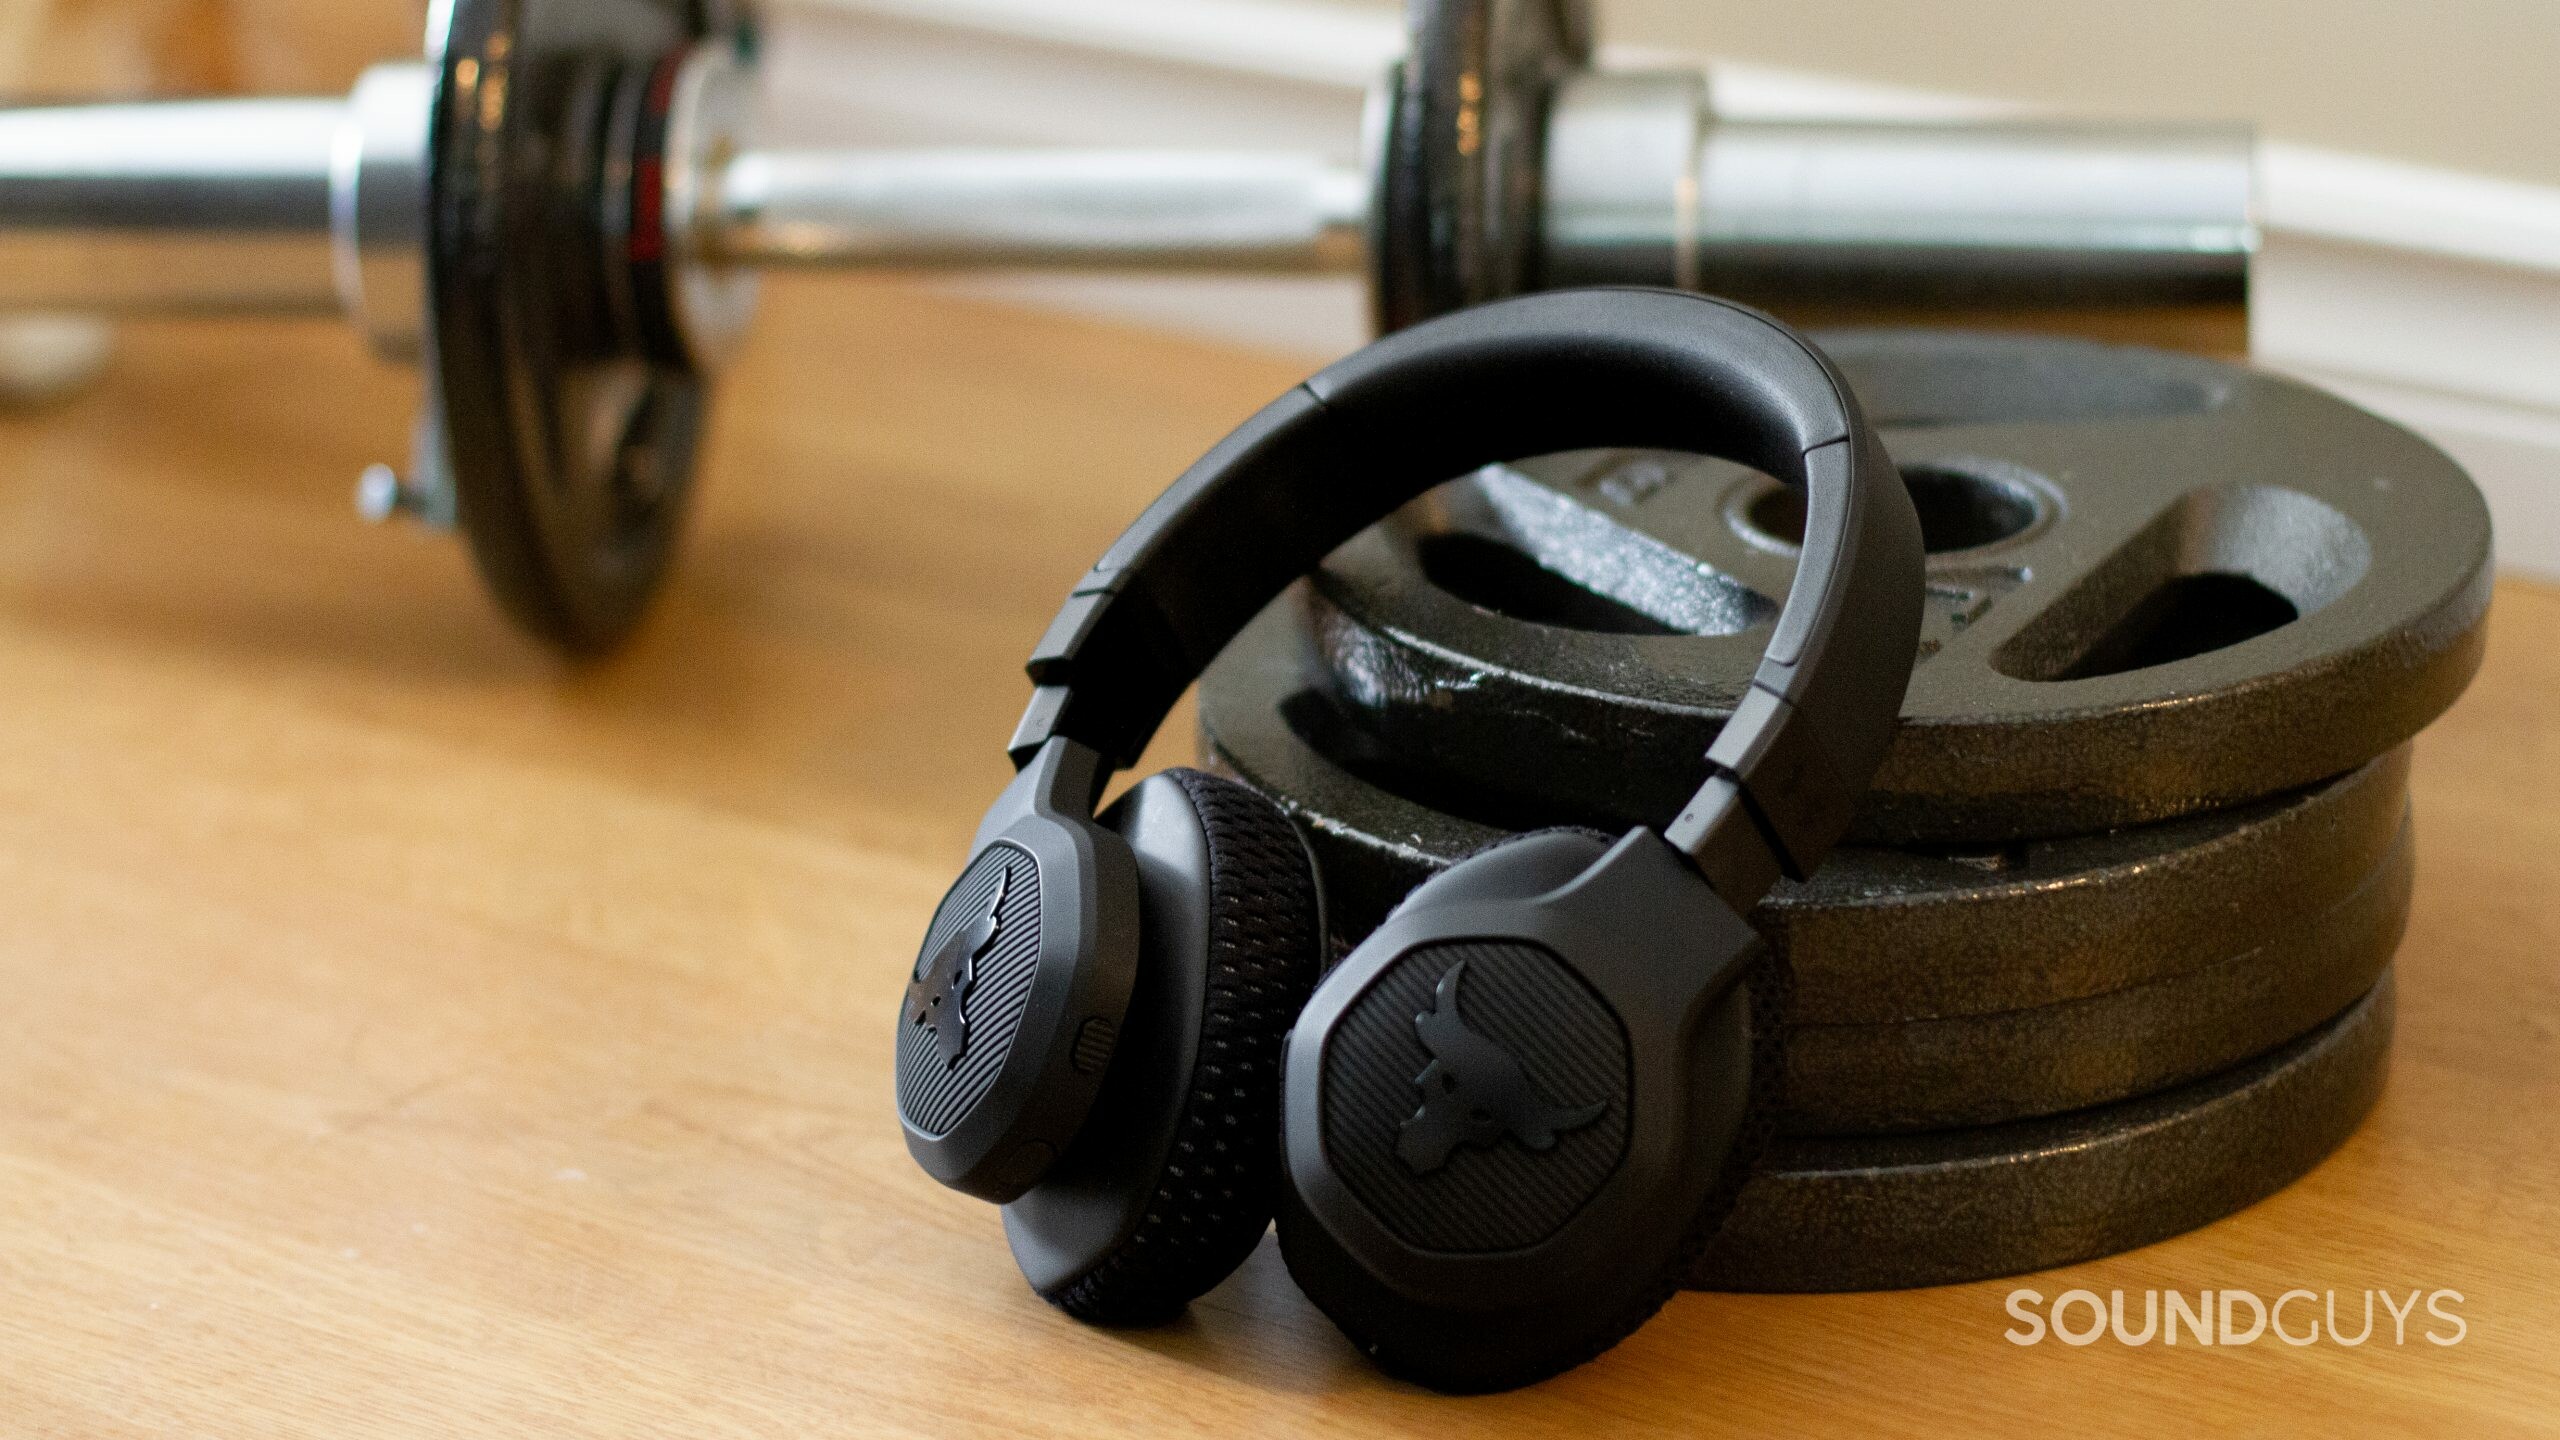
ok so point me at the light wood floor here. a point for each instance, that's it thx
(402, 1033)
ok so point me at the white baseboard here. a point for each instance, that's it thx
(2429, 296)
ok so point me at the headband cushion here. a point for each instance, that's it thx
(1212, 1198)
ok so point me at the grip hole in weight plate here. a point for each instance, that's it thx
(2217, 568)
(1509, 546)
(1315, 723)
(1960, 509)
(2188, 615)
(1493, 576)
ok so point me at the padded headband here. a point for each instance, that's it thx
(1566, 371)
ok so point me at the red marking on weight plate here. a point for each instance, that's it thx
(648, 211)
(662, 86)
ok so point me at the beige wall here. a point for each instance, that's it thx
(2465, 84)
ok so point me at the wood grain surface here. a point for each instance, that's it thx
(404, 1033)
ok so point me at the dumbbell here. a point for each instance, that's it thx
(558, 215)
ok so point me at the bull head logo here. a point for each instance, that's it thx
(934, 997)
(1474, 1092)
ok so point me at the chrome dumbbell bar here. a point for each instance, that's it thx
(561, 210)
(318, 206)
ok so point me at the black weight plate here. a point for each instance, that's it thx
(1957, 1206)
(572, 446)
(1932, 991)
(2159, 585)
(1461, 179)
(1877, 936)
(1971, 1070)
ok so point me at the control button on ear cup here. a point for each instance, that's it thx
(1095, 1040)
(1172, 1183)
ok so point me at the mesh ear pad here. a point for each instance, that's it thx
(1213, 1195)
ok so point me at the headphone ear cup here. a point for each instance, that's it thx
(1771, 984)
(1767, 986)
(1391, 1339)
(1208, 1080)
(1498, 1026)
(1522, 864)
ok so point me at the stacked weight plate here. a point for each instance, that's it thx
(2108, 955)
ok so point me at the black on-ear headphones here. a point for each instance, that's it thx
(1501, 1126)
